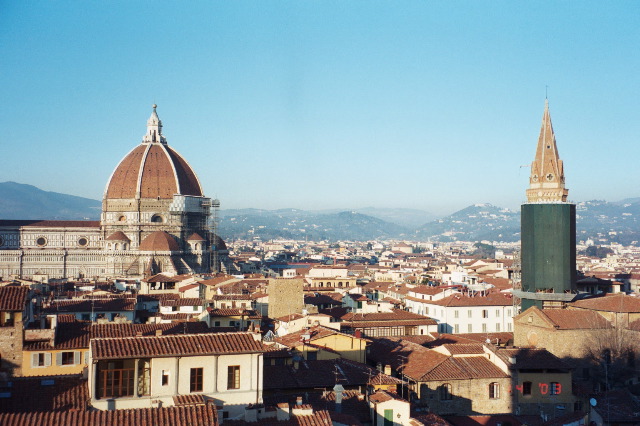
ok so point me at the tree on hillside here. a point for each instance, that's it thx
(484, 251)
(598, 251)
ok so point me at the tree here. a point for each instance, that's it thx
(598, 251)
(484, 251)
(611, 353)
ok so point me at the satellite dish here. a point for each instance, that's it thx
(593, 402)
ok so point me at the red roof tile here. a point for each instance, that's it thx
(395, 315)
(491, 299)
(132, 330)
(611, 303)
(175, 345)
(575, 319)
(69, 335)
(45, 393)
(13, 298)
(174, 416)
(96, 305)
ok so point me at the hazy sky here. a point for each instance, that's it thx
(323, 104)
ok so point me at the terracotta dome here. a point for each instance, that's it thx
(159, 241)
(153, 169)
(219, 243)
(195, 237)
(118, 236)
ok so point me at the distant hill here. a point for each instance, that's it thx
(600, 221)
(21, 201)
(410, 218)
(302, 224)
(474, 223)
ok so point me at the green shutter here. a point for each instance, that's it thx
(388, 417)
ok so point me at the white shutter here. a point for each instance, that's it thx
(86, 357)
(59, 358)
(47, 360)
(34, 360)
(76, 357)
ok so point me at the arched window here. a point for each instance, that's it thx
(494, 390)
(445, 392)
(156, 218)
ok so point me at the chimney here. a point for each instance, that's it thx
(53, 321)
(159, 332)
(138, 333)
(251, 413)
(282, 411)
(387, 369)
(299, 400)
(338, 389)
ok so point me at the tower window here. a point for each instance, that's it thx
(156, 218)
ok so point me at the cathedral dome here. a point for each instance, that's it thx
(159, 241)
(152, 170)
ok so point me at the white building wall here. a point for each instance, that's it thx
(466, 319)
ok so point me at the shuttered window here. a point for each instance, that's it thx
(41, 359)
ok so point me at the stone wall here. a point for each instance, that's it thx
(11, 348)
(285, 296)
(468, 397)
(561, 343)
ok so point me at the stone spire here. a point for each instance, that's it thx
(154, 129)
(546, 183)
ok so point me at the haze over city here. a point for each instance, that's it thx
(318, 105)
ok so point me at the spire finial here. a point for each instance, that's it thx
(154, 128)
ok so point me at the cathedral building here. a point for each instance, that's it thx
(155, 218)
(548, 229)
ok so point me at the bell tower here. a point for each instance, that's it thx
(548, 228)
(546, 183)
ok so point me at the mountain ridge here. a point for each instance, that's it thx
(600, 221)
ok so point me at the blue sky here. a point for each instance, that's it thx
(325, 104)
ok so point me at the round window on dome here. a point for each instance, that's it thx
(156, 218)
(83, 241)
(41, 241)
(122, 219)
